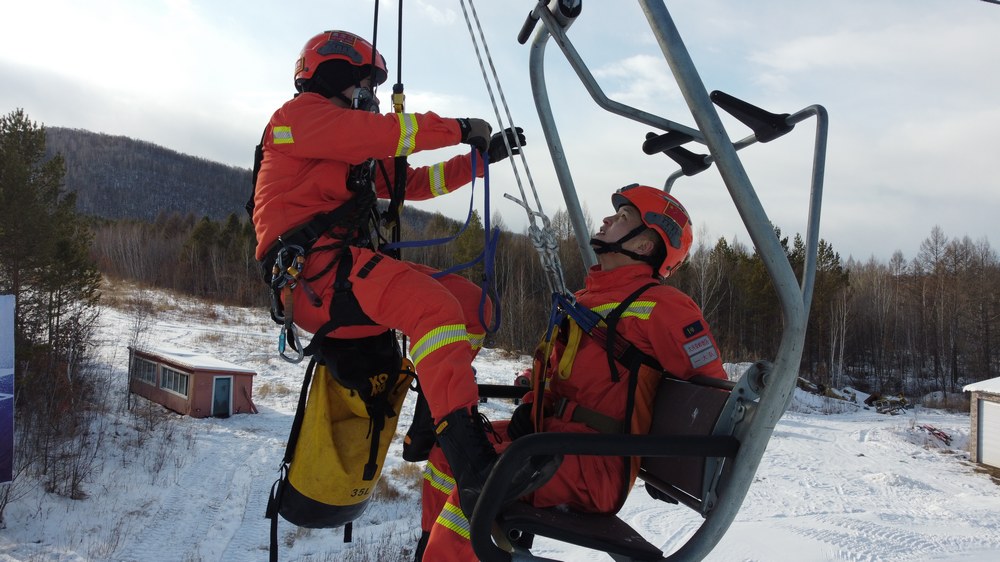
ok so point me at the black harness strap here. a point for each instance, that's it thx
(345, 310)
(278, 488)
(631, 354)
(612, 332)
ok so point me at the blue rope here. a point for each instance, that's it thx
(563, 306)
(446, 239)
(491, 238)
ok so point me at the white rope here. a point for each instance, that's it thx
(541, 237)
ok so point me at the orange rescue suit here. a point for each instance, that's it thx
(663, 323)
(309, 146)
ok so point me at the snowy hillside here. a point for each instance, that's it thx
(853, 486)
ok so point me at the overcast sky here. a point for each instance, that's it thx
(910, 87)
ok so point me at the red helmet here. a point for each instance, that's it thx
(664, 214)
(338, 45)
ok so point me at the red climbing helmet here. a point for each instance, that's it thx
(338, 46)
(664, 214)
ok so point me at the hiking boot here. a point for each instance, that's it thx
(463, 438)
(420, 437)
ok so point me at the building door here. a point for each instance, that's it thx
(988, 433)
(222, 397)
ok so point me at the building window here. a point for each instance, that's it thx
(144, 370)
(174, 381)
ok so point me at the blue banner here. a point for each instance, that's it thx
(6, 388)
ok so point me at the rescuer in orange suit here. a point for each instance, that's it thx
(327, 148)
(646, 239)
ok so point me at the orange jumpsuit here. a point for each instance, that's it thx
(309, 146)
(664, 323)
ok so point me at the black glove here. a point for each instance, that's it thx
(475, 132)
(498, 150)
(520, 423)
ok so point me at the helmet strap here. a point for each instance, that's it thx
(602, 247)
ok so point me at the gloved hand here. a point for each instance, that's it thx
(498, 151)
(475, 132)
(520, 422)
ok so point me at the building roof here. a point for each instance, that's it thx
(989, 385)
(194, 360)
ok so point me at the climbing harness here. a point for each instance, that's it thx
(569, 322)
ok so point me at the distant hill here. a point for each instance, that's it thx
(119, 177)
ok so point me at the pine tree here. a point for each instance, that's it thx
(45, 264)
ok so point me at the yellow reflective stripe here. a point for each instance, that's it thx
(476, 340)
(452, 518)
(407, 134)
(638, 309)
(565, 368)
(440, 480)
(282, 135)
(436, 339)
(436, 179)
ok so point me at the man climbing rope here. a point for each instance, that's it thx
(646, 239)
(323, 162)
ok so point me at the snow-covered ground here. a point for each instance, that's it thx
(853, 486)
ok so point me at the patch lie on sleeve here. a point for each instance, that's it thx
(701, 351)
(282, 135)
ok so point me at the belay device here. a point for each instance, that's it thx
(345, 421)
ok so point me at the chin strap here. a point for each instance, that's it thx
(602, 247)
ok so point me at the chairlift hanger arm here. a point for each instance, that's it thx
(557, 30)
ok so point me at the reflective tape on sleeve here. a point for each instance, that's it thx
(282, 135)
(407, 134)
(436, 179)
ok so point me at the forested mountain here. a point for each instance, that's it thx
(119, 177)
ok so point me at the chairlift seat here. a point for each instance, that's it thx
(594, 531)
(691, 433)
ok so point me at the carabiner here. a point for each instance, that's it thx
(296, 345)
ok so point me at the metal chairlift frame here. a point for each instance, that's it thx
(774, 386)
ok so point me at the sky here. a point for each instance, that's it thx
(909, 86)
(837, 483)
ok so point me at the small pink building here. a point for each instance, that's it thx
(191, 383)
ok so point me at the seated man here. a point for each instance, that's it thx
(646, 239)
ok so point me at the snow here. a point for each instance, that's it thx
(989, 385)
(192, 359)
(837, 482)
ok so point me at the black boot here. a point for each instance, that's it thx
(462, 436)
(420, 437)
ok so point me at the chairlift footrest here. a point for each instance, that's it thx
(600, 532)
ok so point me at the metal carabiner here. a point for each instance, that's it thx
(296, 345)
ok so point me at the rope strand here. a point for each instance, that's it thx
(541, 237)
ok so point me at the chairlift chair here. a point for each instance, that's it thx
(707, 436)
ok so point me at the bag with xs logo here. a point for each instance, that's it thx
(346, 418)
